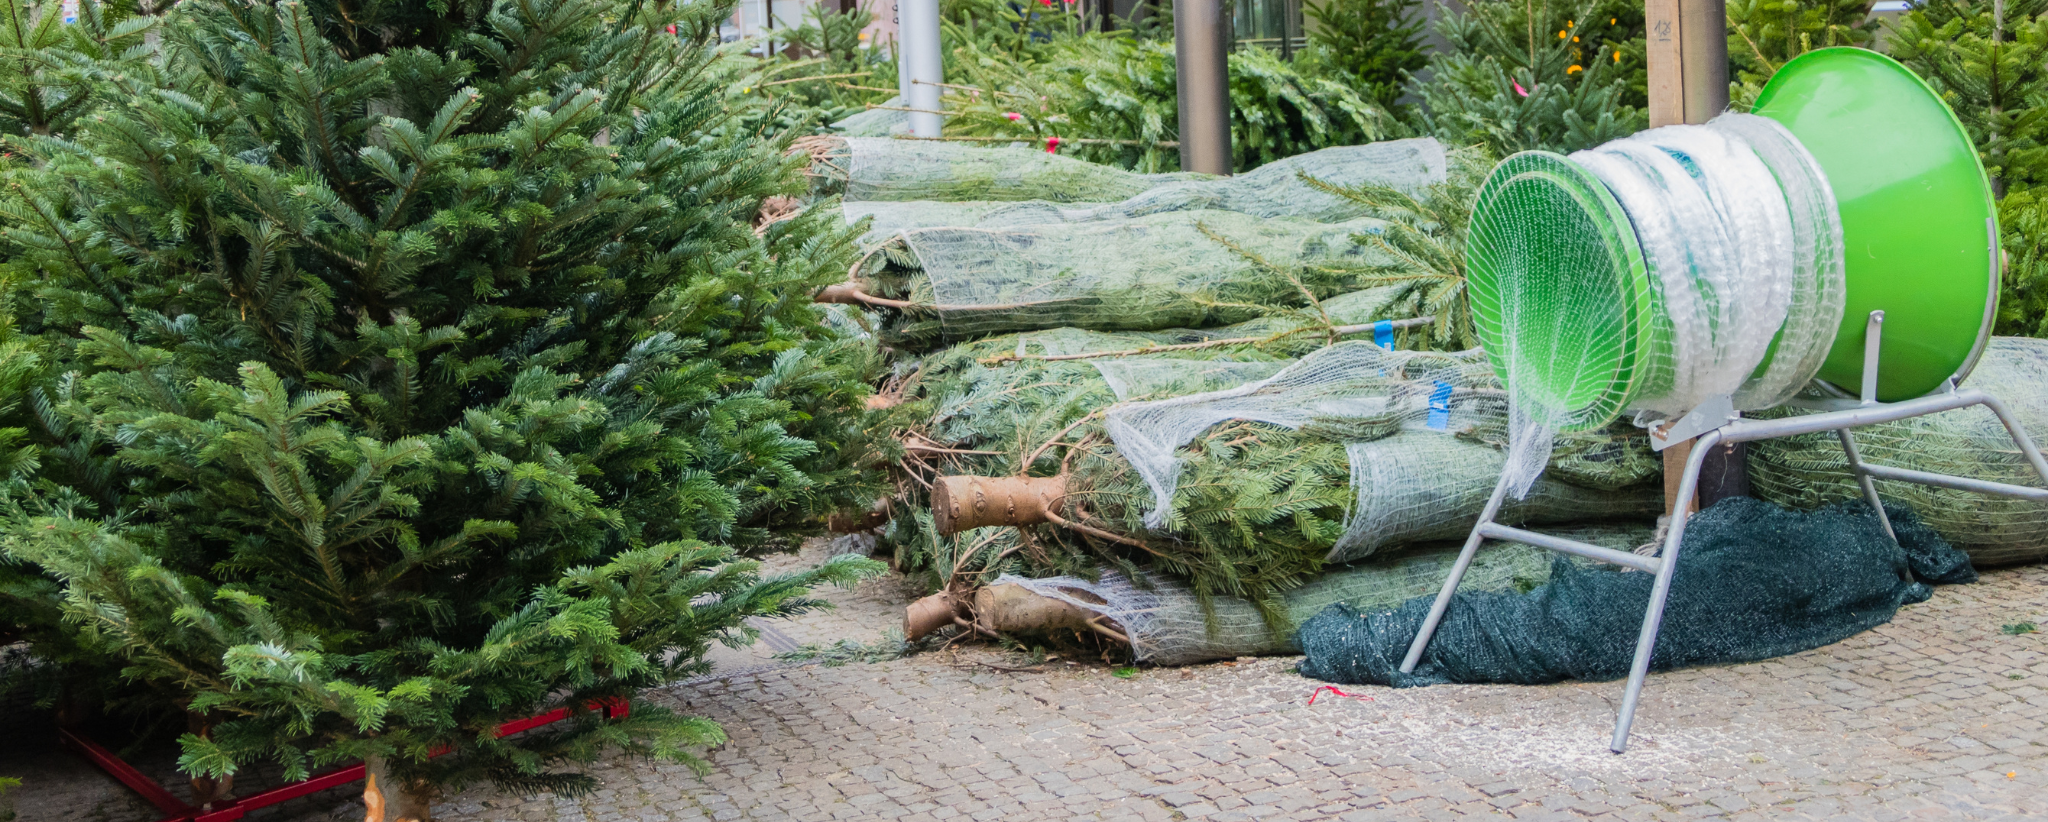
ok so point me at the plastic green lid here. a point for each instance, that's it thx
(1918, 226)
(1548, 238)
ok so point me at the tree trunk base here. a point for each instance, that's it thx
(1014, 609)
(964, 503)
(389, 799)
(931, 613)
(843, 522)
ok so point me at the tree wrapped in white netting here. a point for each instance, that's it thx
(1189, 269)
(1250, 490)
(882, 169)
(1163, 622)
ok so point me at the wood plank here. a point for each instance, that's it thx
(1666, 63)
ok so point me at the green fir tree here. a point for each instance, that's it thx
(1764, 34)
(1529, 74)
(52, 72)
(1371, 44)
(416, 367)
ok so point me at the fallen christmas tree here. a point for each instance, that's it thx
(1271, 480)
(1161, 622)
(1179, 269)
(870, 169)
(1298, 187)
(1187, 268)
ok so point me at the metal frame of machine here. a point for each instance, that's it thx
(1716, 425)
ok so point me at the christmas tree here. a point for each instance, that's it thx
(418, 366)
(53, 70)
(1372, 44)
(1763, 34)
(1522, 74)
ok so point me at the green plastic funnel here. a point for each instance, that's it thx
(1548, 236)
(1919, 229)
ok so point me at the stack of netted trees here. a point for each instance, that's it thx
(1242, 398)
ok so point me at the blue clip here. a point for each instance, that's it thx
(1383, 334)
(1440, 406)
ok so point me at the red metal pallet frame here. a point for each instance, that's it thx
(228, 810)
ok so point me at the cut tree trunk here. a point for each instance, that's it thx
(931, 613)
(1014, 609)
(843, 522)
(390, 799)
(207, 790)
(965, 503)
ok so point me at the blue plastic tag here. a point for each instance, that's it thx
(1383, 334)
(1440, 406)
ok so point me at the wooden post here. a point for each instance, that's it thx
(1688, 67)
(1667, 75)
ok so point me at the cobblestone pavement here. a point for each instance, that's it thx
(1937, 715)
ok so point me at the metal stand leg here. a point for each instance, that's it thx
(2019, 435)
(1660, 591)
(1863, 479)
(1443, 597)
(1837, 419)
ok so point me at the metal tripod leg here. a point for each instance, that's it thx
(1863, 479)
(2019, 435)
(1653, 615)
(1443, 597)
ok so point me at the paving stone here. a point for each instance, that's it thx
(1916, 719)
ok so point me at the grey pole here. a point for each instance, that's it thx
(921, 64)
(1201, 51)
(1703, 51)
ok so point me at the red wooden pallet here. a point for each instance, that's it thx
(227, 810)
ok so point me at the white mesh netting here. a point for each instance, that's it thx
(1742, 245)
(883, 121)
(977, 402)
(1277, 189)
(1409, 486)
(1168, 624)
(886, 168)
(1188, 269)
(1421, 486)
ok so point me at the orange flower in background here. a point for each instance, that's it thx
(1617, 57)
(1573, 69)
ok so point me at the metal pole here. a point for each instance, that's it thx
(1201, 52)
(1703, 49)
(902, 57)
(1443, 597)
(918, 38)
(1660, 590)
